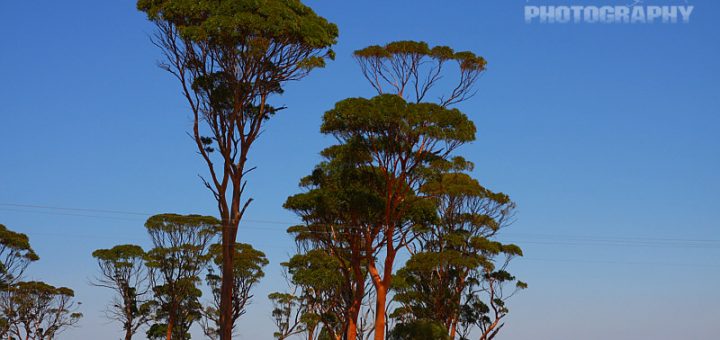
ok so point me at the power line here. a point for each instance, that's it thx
(120, 212)
(624, 262)
(538, 239)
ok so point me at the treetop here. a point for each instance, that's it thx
(119, 252)
(18, 242)
(288, 21)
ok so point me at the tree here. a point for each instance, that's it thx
(122, 269)
(490, 320)
(401, 139)
(230, 58)
(38, 311)
(456, 262)
(248, 263)
(402, 143)
(179, 256)
(336, 208)
(15, 255)
(286, 314)
(317, 302)
(326, 295)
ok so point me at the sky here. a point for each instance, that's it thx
(604, 135)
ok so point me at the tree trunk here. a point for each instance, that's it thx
(381, 292)
(357, 298)
(354, 313)
(453, 328)
(128, 334)
(226, 285)
(170, 325)
(311, 333)
(382, 285)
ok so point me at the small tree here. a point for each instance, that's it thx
(248, 264)
(15, 256)
(179, 256)
(325, 293)
(122, 269)
(38, 311)
(286, 313)
(230, 58)
(457, 271)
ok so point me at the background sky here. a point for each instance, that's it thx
(606, 136)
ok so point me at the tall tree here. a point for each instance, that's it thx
(179, 256)
(402, 141)
(122, 269)
(230, 58)
(248, 264)
(38, 311)
(15, 255)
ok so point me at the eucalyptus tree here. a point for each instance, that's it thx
(122, 269)
(179, 256)
(325, 294)
(287, 313)
(337, 207)
(248, 264)
(15, 255)
(456, 275)
(403, 139)
(38, 311)
(318, 300)
(231, 57)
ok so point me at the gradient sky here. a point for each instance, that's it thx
(606, 136)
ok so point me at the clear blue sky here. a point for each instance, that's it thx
(605, 135)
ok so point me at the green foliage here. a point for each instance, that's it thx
(120, 254)
(419, 49)
(179, 255)
(284, 307)
(392, 124)
(419, 330)
(122, 269)
(315, 269)
(403, 66)
(36, 310)
(255, 24)
(325, 293)
(456, 277)
(248, 266)
(15, 255)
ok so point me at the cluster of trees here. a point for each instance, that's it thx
(397, 239)
(162, 288)
(394, 183)
(30, 310)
